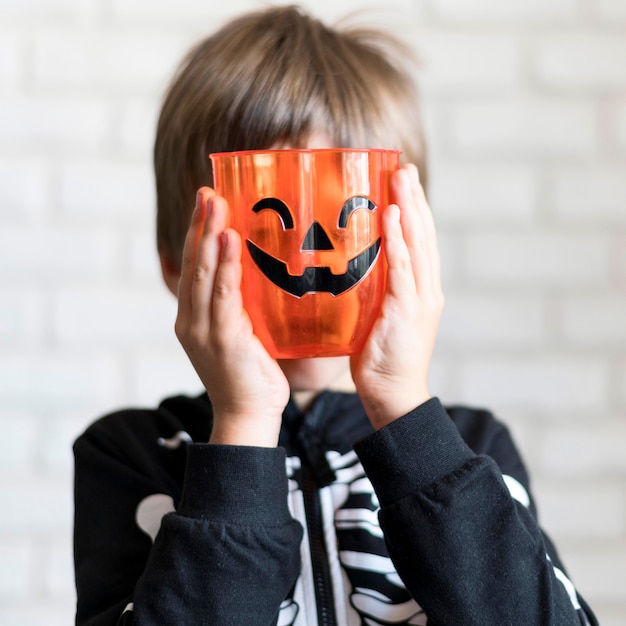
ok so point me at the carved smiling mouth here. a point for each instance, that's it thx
(314, 279)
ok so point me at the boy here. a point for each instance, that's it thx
(249, 505)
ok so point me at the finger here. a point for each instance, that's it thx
(403, 196)
(192, 239)
(227, 304)
(419, 230)
(400, 278)
(428, 223)
(206, 263)
(420, 197)
(412, 228)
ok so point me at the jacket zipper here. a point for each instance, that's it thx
(316, 473)
(319, 558)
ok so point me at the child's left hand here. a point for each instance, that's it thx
(247, 388)
(391, 373)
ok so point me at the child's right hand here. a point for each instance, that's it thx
(391, 373)
(246, 386)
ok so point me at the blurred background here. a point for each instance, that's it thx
(525, 110)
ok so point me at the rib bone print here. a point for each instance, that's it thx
(366, 576)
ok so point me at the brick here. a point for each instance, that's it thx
(489, 322)
(158, 375)
(57, 437)
(581, 61)
(58, 574)
(102, 189)
(581, 511)
(181, 12)
(610, 614)
(16, 567)
(24, 189)
(136, 61)
(441, 378)
(192, 12)
(59, 123)
(595, 322)
(9, 60)
(113, 317)
(610, 10)
(394, 16)
(540, 259)
(543, 383)
(523, 433)
(63, 59)
(35, 504)
(435, 122)
(621, 385)
(37, 10)
(137, 128)
(618, 132)
(46, 253)
(18, 445)
(619, 260)
(492, 192)
(600, 571)
(88, 13)
(596, 194)
(451, 258)
(512, 12)
(21, 318)
(144, 260)
(36, 615)
(538, 128)
(467, 63)
(36, 383)
(586, 452)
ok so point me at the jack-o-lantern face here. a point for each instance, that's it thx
(315, 278)
(313, 270)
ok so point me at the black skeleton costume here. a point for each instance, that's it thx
(428, 521)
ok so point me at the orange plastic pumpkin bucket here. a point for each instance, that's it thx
(310, 222)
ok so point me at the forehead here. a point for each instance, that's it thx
(316, 140)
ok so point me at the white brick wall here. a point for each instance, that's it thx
(537, 127)
(612, 11)
(473, 62)
(525, 106)
(42, 124)
(488, 193)
(580, 61)
(618, 131)
(560, 383)
(532, 258)
(593, 194)
(476, 12)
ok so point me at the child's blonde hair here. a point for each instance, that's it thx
(274, 77)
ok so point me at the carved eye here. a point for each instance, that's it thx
(276, 205)
(351, 205)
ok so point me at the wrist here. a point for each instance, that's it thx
(245, 430)
(393, 407)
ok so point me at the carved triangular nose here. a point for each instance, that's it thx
(316, 239)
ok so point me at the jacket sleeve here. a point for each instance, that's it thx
(228, 555)
(463, 537)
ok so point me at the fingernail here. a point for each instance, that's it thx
(197, 215)
(394, 212)
(414, 178)
(223, 243)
